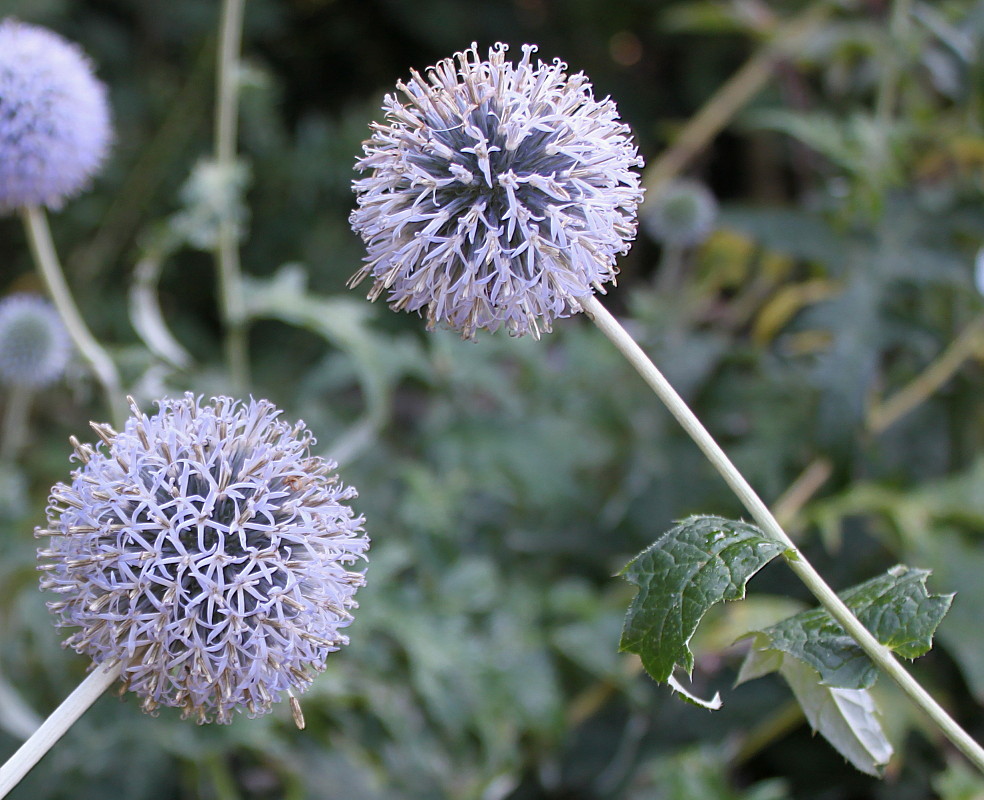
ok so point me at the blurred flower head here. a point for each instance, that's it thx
(681, 213)
(34, 345)
(55, 127)
(209, 552)
(497, 193)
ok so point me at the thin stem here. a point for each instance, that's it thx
(733, 96)
(670, 276)
(879, 653)
(14, 423)
(798, 494)
(945, 366)
(43, 251)
(55, 726)
(227, 250)
(771, 729)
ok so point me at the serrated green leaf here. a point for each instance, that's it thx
(847, 718)
(895, 607)
(700, 562)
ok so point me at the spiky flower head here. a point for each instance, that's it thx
(206, 550)
(55, 127)
(34, 345)
(680, 213)
(497, 193)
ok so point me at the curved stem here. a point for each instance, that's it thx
(55, 726)
(879, 653)
(885, 413)
(43, 251)
(227, 250)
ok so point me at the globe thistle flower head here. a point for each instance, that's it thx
(496, 194)
(34, 345)
(682, 213)
(206, 550)
(55, 127)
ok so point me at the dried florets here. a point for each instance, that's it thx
(497, 195)
(34, 345)
(55, 127)
(206, 550)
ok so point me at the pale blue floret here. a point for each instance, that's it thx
(55, 127)
(34, 345)
(209, 552)
(497, 195)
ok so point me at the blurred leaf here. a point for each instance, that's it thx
(960, 564)
(797, 233)
(699, 773)
(343, 322)
(959, 782)
(700, 562)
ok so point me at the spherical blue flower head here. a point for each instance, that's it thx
(681, 213)
(209, 552)
(497, 194)
(55, 127)
(34, 345)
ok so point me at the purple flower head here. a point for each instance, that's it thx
(55, 127)
(34, 345)
(497, 193)
(206, 550)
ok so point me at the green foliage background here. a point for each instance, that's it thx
(505, 482)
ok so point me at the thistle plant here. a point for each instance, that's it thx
(680, 213)
(55, 128)
(34, 345)
(202, 558)
(497, 194)
(500, 194)
(206, 558)
(55, 134)
(34, 351)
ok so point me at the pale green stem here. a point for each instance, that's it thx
(55, 726)
(14, 423)
(46, 259)
(879, 653)
(734, 95)
(227, 250)
(669, 278)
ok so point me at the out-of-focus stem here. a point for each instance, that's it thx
(46, 259)
(14, 423)
(55, 726)
(733, 95)
(227, 250)
(877, 652)
(944, 367)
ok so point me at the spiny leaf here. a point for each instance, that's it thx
(895, 607)
(700, 562)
